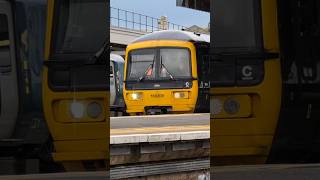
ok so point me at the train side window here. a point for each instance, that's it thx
(5, 59)
(111, 71)
(112, 74)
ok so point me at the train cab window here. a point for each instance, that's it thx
(142, 64)
(237, 26)
(174, 63)
(5, 60)
(77, 24)
(77, 37)
(159, 64)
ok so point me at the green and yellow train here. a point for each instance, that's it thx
(54, 84)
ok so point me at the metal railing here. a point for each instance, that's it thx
(130, 20)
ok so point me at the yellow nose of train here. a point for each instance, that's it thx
(161, 73)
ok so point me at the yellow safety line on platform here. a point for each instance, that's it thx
(152, 130)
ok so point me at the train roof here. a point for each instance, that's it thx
(174, 35)
(116, 58)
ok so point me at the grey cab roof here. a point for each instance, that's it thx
(116, 58)
(174, 35)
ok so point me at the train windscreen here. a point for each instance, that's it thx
(159, 64)
(78, 29)
(236, 26)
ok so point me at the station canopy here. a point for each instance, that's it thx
(202, 5)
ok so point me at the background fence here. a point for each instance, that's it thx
(130, 20)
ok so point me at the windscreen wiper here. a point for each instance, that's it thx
(145, 73)
(100, 56)
(163, 66)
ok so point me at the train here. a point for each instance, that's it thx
(116, 83)
(51, 111)
(264, 81)
(164, 74)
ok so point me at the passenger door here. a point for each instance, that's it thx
(8, 73)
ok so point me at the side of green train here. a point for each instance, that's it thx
(28, 137)
(23, 130)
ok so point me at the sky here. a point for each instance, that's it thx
(156, 8)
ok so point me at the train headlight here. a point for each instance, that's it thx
(181, 95)
(94, 110)
(77, 109)
(135, 96)
(231, 106)
(215, 106)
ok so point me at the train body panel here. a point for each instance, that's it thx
(21, 80)
(245, 111)
(75, 88)
(253, 130)
(44, 110)
(9, 89)
(296, 138)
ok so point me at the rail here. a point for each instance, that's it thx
(135, 21)
(162, 168)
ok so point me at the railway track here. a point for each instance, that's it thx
(196, 168)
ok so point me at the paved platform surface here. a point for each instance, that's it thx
(159, 124)
(159, 137)
(159, 120)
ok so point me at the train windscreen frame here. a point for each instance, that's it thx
(158, 82)
(158, 64)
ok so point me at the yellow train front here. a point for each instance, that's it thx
(161, 74)
(75, 87)
(246, 85)
(265, 82)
